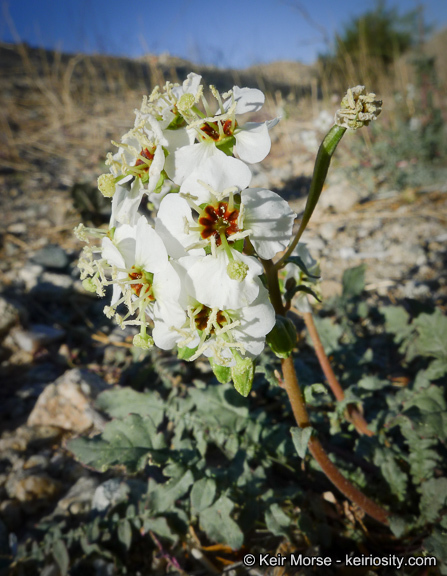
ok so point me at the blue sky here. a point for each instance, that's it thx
(236, 33)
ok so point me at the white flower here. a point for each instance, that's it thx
(142, 277)
(221, 133)
(222, 333)
(208, 281)
(142, 151)
(210, 191)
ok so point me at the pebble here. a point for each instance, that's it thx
(79, 498)
(28, 487)
(37, 336)
(29, 274)
(9, 316)
(66, 403)
(51, 256)
(109, 493)
(17, 228)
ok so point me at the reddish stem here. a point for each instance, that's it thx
(353, 413)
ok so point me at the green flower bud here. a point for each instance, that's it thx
(143, 341)
(283, 337)
(242, 375)
(89, 285)
(222, 373)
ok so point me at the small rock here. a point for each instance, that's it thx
(36, 461)
(37, 336)
(29, 274)
(110, 493)
(28, 487)
(79, 498)
(66, 403)
(328, 230)
(9, 316)
(51, 256)
(17, 228)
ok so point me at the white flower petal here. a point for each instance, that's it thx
(125, 204)
(219, 172)
(181, 164)
(247, 100)
(111, 254)
(173, 215)
(252, 142)
(150, 252)
(270, 219)
(211, 285)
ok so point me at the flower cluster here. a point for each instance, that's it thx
(191, 277)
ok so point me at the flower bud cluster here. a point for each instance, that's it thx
(190, 277)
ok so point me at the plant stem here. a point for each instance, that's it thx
(316, 449)
(324, 156)
(353, 413)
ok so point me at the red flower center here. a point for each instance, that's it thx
(212, 129)
(219, 219)
(201, 319)
(146, 154)
(136, 288)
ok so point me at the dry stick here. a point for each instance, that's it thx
(302, 419)
(353, 413)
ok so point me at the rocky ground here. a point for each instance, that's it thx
(58, 351)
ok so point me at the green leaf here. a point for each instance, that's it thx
(429, 411)
(219, 526)
(436, 545)
(398, 526)
(372, 383)
(60, 554)
(437, 369)
(277, 521)
(221, 406)
(432, 329)
(163, 496)
(298, 261)
(202, 494)
(124, 442)
(397, 321)
(160, 526)
(120, 402)
(353, 281)
(300, 288)
(124, 533)
(396, 478)
(434, 498)
(311, 390)
(300, 438)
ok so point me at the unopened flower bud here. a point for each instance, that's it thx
(106, 185)
(242, 374)
(222, 373)
(358, 108)
(89, 285)
(143, 341)
(283, 337)
(237, 270)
